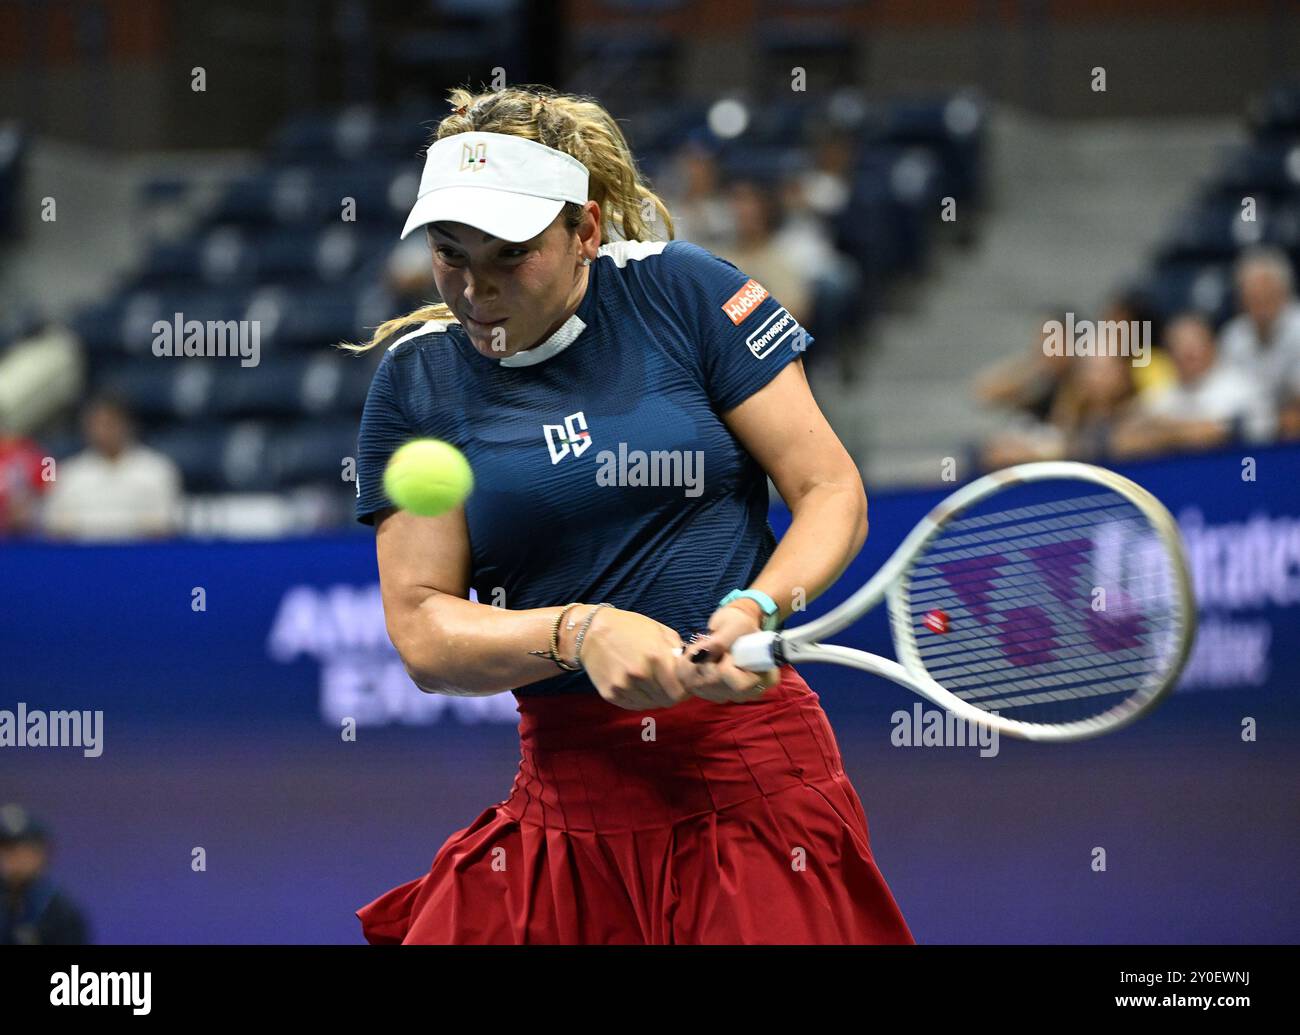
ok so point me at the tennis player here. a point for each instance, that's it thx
(622, 400)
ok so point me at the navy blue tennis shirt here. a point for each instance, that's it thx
(602, 467)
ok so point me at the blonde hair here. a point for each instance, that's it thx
(574, 124)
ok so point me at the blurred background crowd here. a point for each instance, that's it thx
(861, 205)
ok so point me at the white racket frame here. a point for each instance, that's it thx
(756, 652)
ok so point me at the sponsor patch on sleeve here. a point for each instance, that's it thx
(740, 305)
(777, 329)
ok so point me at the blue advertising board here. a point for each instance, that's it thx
(227, 673)
(295, 629)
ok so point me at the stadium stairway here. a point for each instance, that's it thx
(1072, 210)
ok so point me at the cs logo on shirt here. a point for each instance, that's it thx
(572, 435)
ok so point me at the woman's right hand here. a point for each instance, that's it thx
(631, 659)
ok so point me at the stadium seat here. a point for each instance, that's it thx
(306, 318)
(312, 451)
(196, 450)
(292, 386)
(13, 153)
(155, 389)
(1181, 285)
(314, 194)
(767, 164)
(1215, 231)
(1277, 112)
(126, 322)
(951, 127)
(1271, 169)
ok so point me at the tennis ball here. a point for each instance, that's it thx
(428, 477)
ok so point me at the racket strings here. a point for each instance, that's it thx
(1004, 609)
(1017, 516)
(1032, 530)
(940, 593)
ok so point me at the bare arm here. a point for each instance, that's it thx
(1007, 382)
(448, 643)
(817, 479)
(1145, 436)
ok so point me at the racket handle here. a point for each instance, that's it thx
(755, 652)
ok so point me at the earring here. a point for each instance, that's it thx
(586, 261)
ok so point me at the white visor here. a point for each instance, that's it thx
(504, 185)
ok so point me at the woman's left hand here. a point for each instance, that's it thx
(720, 680)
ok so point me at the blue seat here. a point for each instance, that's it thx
(302, 385)
(313, 194)
(156, 390)
(305, 318)
(952, 128)
(355, 134)
(887, 223)
(170, 263)
(1216, 231)
(664, 127)
(312, 451)
(1271, 168)
(1277, 112)
(270, 389)
(158, 189)
(126, 323)
(239, 257)
(13, 160)
(1188, 285)
(98, 324)
(767, 164)
(252, 197)
(196, 450)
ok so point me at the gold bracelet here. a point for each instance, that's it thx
(582, 633)
(553, 653)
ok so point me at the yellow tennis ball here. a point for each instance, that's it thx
(428, 477)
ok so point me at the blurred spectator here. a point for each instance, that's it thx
(700, 210)
(1208, 405)
(835, 280)
(1263, 342)
(1131, 306)
(22, 468)
(33, 911)
(758, 253)
(41, 374)
(115, 489)
(826, 186)
(408, 275)
(1091, 399)
(1026, 383)
(1095, 398)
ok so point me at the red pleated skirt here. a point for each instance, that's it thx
(698, 824)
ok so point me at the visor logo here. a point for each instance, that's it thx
(473, 156)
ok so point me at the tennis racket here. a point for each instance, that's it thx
(1050, 601)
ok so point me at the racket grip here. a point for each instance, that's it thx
(755, 652)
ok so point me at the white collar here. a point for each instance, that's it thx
(556, 343)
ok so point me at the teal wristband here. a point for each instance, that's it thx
(771, 614)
